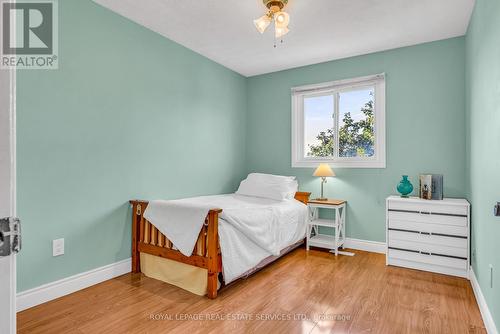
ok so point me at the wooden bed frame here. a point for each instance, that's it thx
(206, 254)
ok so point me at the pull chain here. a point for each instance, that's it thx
(275, 37)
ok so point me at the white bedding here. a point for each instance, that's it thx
(250, 228)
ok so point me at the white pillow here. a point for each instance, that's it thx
(289, 182)
(269, 177)
(293, 187)
(272, 190)
(269, 186)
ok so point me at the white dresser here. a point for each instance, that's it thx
(428, 235)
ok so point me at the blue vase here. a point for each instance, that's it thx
(405, 187)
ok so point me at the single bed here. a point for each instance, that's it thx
(231, 243)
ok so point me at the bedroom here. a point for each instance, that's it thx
(166, 100)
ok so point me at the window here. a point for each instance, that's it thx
(341, 123)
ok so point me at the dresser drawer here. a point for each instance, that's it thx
(434, 228)
(435, 207)
(436, 268)
(435, 244)
(436, 260)
(442, 219)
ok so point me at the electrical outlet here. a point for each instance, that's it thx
(58, 247)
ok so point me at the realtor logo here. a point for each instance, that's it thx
(29, 35)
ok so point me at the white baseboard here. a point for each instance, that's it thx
(483, 307)
(366, 245)
(65, 286)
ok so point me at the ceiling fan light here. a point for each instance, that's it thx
(281, 31)
(262, 23)
(281, 19)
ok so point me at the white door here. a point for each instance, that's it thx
(7, 197)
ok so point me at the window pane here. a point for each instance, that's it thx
(356, 123)
(318, 126)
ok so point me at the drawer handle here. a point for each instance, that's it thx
(429, 213)
(429, 233)
(450, 235)
(409, 231)
(402, 230)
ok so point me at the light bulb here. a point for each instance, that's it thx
(280, 32)
(281, 19)
(262, 23)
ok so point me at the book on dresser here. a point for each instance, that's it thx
(428, 235)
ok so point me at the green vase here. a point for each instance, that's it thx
(405, 187)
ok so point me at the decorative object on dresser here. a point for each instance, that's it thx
(405, 187)
(323, 171)
(425, 186)
(437, 186)
(332, 242)
(428, 235)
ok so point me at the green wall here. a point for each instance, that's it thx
(425, 126)
(129, 114)
(483, 136)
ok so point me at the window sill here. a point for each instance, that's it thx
(340, 164)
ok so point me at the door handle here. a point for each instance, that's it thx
(10, 236)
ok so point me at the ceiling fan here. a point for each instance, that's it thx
(275, 13)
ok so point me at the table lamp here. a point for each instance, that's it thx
(323, 171)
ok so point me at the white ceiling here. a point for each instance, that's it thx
(321, 30)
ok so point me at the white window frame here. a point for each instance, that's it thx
(378, 160)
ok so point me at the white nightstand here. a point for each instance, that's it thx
(332, 242)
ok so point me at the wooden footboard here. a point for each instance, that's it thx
(206, 254)
(147, 239)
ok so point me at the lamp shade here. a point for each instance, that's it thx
(324, 170)
(262, 23)
(282, 19)
(280, 32)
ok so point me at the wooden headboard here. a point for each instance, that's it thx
(302, 196)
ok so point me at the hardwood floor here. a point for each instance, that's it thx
(304, 292)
